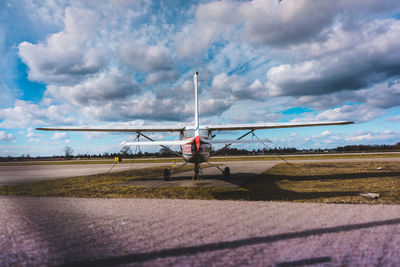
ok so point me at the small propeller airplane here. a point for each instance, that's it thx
(195, 141)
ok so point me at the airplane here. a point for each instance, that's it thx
(195, 141)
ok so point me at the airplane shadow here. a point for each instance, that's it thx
(269, 189)
(235, 180)
(210, 247)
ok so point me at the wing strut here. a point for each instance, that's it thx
(246, 134)
(167, 148)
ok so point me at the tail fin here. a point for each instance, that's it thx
(196, 106)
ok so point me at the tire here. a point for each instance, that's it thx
(166, 174)
(227, 173)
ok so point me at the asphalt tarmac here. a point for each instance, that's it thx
(210, 176)
(241, 171)
(164, 232)
(11, 175)
(167, 232)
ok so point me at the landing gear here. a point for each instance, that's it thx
(226, 173)
(166, 174)
(196, 171)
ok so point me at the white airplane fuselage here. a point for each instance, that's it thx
(194, 154)
(199, 150)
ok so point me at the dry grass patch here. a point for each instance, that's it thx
(329, 182)
(302, 182)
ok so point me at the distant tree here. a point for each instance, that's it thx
(68, 152)
(125, 151)
(164, 152)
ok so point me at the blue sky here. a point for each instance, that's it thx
(131, 63)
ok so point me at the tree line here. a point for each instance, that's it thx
(126, 152)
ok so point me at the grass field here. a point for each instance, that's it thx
(305, 182)
(213, 159)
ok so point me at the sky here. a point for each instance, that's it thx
(126, 63)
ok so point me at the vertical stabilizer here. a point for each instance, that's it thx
(196, 106)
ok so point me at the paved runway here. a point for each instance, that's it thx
(159, 232)
(10, 175)
(241, 172)
(149, 232)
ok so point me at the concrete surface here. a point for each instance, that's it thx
(149, 232)
(241, 172)
(10, 175)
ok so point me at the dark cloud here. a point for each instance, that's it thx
(275, 23)
(373, 57)
(386, 95)
(149, 107)
(99, 89)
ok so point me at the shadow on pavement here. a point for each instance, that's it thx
(191, 250)
(235, 180)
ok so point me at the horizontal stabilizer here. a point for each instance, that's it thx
(158, 143)
(235, 141)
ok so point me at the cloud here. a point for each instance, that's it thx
(255, 116)
(26, 114)
(161, 76)
(7, 74)
(59, 136)
(66, 56)
(384, 95)
(327, 101)
(146, 58)
(100, 88)
(273, 23)
(4, 136)
(394, 119)
(184, 91)
(211, 21)
(48, 12)
(368, 61)
(237, 87)
(356, 113)
(149, 107)
(362, 136)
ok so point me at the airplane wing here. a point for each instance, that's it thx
(256, 126)
(114, 129)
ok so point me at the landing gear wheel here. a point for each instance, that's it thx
(226, 173)
(166, 174)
